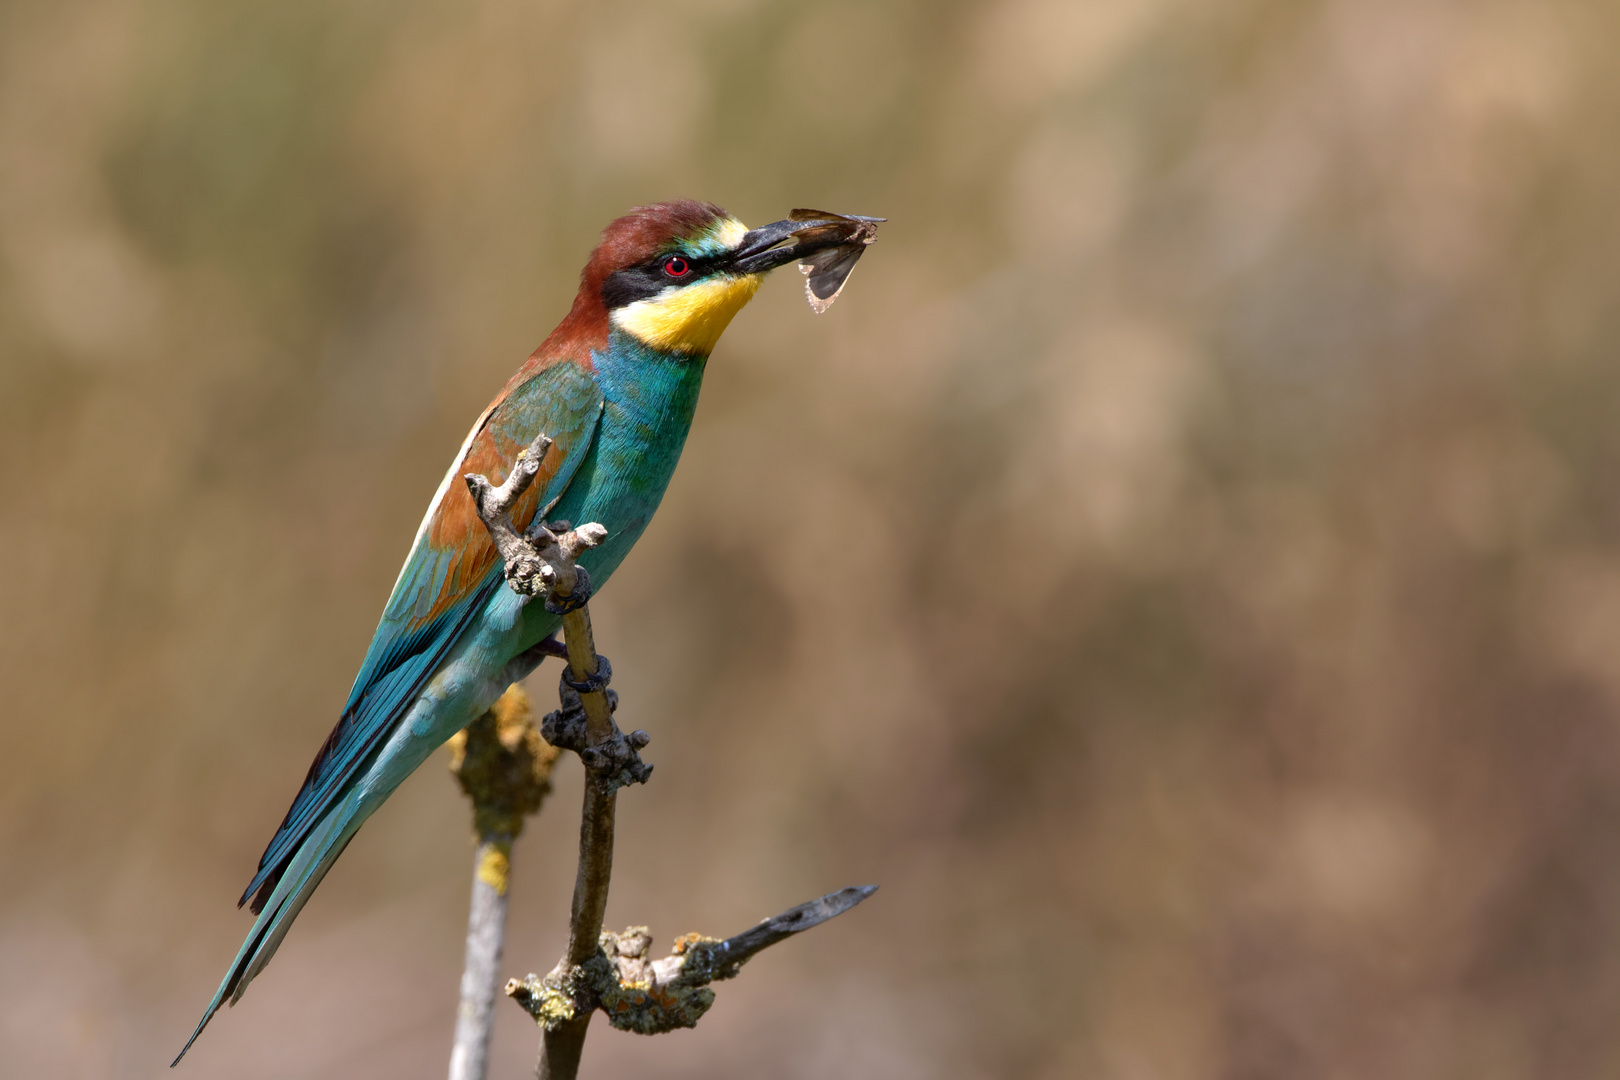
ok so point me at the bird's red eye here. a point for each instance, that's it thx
(675, 266)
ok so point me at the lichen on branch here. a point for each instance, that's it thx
(653, 996)
(503, 765)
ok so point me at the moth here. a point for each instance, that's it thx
(827, 269)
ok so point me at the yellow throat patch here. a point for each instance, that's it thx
(691, 319)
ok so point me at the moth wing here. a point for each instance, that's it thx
(826, 271)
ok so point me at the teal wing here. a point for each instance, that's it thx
(452, 572)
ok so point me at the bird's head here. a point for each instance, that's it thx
(672, 275)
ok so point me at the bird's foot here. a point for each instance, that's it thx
(593, 682)
(522, 665)
(551, 647)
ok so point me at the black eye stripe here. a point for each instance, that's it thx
(648, 279)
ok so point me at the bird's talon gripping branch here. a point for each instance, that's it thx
(578, 598)
(596, 680)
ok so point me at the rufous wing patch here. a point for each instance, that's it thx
(454, 552)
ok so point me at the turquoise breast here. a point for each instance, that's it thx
(649, 398)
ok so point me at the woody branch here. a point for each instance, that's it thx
(600, 970)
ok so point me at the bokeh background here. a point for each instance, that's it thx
(1183, 570)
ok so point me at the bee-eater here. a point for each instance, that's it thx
(615, 386)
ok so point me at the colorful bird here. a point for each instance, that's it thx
(614, 385)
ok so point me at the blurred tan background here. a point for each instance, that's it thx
(1183, 570)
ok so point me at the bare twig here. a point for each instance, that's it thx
(697, 961)
(652, 997)
(505, 768)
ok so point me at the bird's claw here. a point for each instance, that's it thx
(593, 682)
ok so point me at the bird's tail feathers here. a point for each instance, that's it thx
(315, 857)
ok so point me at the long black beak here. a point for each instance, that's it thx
(759, 252)
(811, 231)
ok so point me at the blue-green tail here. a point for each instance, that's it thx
(315, 857)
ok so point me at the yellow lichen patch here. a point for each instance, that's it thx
(691, 319)
(556, 1007)
(649, 1011)
(686, 941)
(495, 865)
